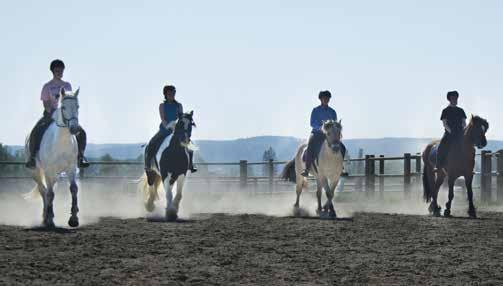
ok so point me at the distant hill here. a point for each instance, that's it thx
(252, 148)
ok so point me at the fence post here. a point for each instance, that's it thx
(418, 164)
(485, 176)
(372, 173)
(381, 175)
(499, 186)
(406, 173)
(270, 174)
(367, 172)
(359, 170)
(243, 173)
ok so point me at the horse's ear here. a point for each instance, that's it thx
(77, 92)
(191, 112)
(340, 121)
(62, 93)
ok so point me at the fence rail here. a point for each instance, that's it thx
(372, 177)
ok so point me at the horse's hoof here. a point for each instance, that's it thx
(73, 221)
(437, 212)
(332, 215)
(472, 213)
(150, 207)
(49, 224)
(447, 213)
(171, 215)
(324, 215)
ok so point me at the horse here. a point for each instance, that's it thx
(171, 165)
(327, 169)
(58, 153)
(460, 162)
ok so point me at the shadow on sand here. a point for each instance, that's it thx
(164, 220)
(54, 229)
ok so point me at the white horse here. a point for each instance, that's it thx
(58, 153)
(171, 166)
(327, 169)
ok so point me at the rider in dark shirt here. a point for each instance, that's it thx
(454, 120)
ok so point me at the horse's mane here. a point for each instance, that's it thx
(329, 124)
(477, 121)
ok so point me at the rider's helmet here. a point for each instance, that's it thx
(56, 64)
(451, 94)
(324, 93)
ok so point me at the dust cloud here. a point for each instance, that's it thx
(120, 198)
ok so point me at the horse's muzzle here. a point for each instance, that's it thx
(74, 130)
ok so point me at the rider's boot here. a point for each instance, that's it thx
(83, 163)
(192, 168)
(31, 163)
(309, 162)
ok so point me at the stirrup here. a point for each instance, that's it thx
(83, 163)
(305, 173)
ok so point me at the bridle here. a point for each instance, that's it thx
(66, 120)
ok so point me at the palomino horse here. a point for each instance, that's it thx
(460, 162)
(58, 153)
(171, 165)
(327, 169)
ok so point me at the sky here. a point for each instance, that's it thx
(252, 68)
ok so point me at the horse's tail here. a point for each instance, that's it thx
(428, 176)
(288, 173)
(149, 193)
(33, 194)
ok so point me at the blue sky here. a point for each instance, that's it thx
(254, 68)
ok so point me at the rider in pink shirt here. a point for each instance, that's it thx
(50, 99)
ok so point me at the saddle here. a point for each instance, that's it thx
(433, 154)
(335, 147)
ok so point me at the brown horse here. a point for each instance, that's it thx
(460, 162)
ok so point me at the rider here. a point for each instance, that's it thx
(319, 114)
(170, 110)
(454, 120)
(50, 99)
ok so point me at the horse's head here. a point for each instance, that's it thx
(476, 131)
(183, 127)
(332, 130)
(70, 110)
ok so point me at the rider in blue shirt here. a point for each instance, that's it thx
(319, 114)
(169, 111)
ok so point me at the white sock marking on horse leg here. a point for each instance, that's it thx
(179, 188)
(169, 192)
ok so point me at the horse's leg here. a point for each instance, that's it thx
(330, 196)
(74, 219)
(299, 186)
(471, 208)
(434, 208)
(170, 210)
(179, 188)
(447, 211)
(318, 196)
(49, 197)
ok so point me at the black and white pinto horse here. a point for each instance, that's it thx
(327, 168)
(170, 166)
